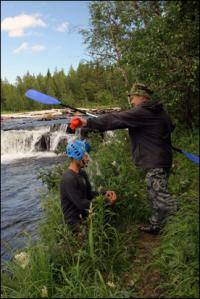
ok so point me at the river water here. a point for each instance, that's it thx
(21, 162)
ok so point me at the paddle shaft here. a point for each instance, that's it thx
(79, 110)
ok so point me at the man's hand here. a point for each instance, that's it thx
(111, 196)
(77, 122)
(83, 121)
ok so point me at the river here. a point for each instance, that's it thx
(27, 147)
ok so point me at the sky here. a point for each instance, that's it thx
(41, 35)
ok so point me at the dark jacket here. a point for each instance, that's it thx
(76, 195)
(149, 128)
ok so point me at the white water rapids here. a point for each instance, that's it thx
(16, 144)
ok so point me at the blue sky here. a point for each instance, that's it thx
(37, 35)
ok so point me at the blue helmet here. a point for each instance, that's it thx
(76, 149)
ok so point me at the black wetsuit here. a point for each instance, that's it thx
(76, 195)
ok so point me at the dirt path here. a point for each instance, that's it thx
(148, 279)
(141, 277)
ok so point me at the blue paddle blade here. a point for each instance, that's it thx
(192, 157)
(41, 97)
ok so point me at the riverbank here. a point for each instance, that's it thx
(52, 113)
(33, 114)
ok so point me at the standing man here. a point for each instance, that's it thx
(150, 130)
(75, 189)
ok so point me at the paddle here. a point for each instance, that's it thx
(191, 157)
(48, 100)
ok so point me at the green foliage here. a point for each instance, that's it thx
(183, 168)
(90, 85)
(154, 42)
(179, 253)
(29, 281)
(113, 169)
(171, 65)
(69, 267)
(52, 177)
(178, 256)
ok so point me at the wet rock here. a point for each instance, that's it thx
(43, 144)
(55, 127)
(48, 116)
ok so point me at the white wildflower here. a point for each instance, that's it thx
(91, 209)
(44, 292)
(22, 259)
(114, 163)
(111, 284)
(131, 283)
(91, 212)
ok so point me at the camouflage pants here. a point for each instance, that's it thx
(163, 204)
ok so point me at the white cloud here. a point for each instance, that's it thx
(63, 27)
(34, 33)
(25, 47)
(15, 26)
(38, 48)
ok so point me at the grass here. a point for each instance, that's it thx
(68, 267)
(95, 266)
(178, 254)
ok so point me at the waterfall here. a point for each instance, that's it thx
(21, 143)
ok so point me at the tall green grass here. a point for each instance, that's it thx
(178, 255)
(94, 266)
(67, 266)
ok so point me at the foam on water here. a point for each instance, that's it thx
(19, 144)
(11, 158)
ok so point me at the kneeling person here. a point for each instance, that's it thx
(75, 188)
